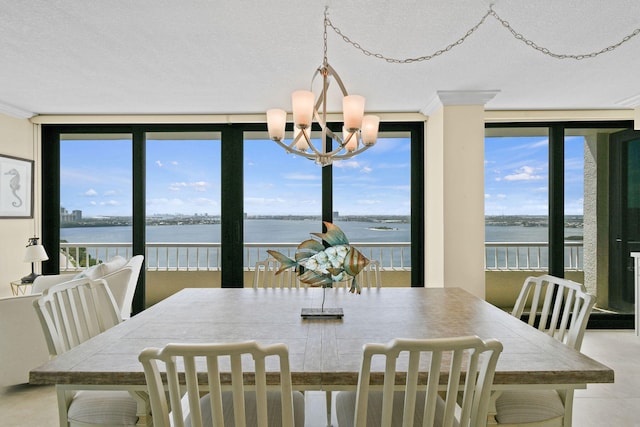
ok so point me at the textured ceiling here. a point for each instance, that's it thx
(225, 57)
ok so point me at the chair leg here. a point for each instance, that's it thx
(328, 399)
(64, 398)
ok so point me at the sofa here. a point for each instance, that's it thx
(22, 342)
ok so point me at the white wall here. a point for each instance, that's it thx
(17, 140)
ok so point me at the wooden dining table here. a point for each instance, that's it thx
(325, 354)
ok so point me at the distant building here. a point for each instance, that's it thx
(66, 216)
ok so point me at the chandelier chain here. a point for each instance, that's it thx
(490, 12)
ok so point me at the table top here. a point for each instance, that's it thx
(323, 353)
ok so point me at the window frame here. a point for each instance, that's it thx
(231, 199)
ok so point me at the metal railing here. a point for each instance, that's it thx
(532, 256)
(164, 256)
(170, 256)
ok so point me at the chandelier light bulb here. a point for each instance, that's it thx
(276, 122)
(370, 129)
(302, 103)
(353, 111)
(351, 139)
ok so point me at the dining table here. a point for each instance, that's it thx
(325, 353)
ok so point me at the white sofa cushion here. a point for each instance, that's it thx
(100, 270)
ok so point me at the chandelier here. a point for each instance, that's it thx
(359, 131)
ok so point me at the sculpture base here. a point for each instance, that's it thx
(318, 313)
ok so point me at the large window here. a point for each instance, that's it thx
(183, 200)
(95, 196)
(517, 198)
(222, 179)
(556, 190)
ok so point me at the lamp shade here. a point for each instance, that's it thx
(353, 111)
(35, 253)
(276, 122)
(370, 129)
(302, 103)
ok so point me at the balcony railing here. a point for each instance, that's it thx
(532, 256)
(207, 256)
(499, 256)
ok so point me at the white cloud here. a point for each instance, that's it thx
(525, 173)
(199, 186)
(302, 177)
(344, 164)
(91, 193)
(368, 202)
(159, 163)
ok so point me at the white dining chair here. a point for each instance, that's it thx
(465, 364)
(560, 308)
(260, 393)
(71, 313)
(265, 275)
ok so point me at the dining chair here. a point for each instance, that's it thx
(260, 391)
(265, 275)
(465, 365)
(560, 308)
(71, 313)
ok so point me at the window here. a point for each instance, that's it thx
(145, 184)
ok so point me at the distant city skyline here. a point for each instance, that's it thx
(183, 178)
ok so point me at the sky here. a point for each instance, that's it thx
(517, 175)
(183, 177)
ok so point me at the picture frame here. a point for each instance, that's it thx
(16, 187)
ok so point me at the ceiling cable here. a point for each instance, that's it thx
(505, 24)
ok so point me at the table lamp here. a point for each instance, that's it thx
(34, 253)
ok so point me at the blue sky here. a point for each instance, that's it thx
(183, 177)
(517, 175)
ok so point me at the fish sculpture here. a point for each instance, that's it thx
(318, 265)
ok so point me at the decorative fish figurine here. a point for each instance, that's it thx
(318, 265)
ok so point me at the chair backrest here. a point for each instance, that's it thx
(215, 359)
(558, 307)
(265, 275)
(72, 312)
(443, 359)
(122, 284)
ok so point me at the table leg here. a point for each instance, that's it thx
(144, 408)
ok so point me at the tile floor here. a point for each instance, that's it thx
(600, 405)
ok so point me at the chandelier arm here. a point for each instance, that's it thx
(332, 72)
(351, 153)
(288, 147)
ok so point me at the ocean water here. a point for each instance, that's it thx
(290, 231)
(294, 232)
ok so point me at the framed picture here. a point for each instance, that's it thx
(16, 187)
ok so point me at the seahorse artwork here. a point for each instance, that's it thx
(14, 185)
